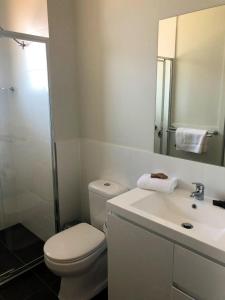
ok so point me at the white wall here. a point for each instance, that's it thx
(167, 37)
(62, 63)
(117, 80)
(27, 16)
(114, 74)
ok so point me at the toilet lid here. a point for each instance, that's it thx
(74, 243)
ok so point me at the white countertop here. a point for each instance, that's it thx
(163, 214)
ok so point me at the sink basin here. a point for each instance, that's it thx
(179, 208)
(167, 215)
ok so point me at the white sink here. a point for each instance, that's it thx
(165, 214)
(178, 209)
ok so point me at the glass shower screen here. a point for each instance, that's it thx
(27, 194)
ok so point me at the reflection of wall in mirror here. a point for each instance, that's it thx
(199, 68)
(198, 91)
(167, 37)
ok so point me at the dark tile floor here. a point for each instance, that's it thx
(39, 283)
(18, 246)
(36, 284)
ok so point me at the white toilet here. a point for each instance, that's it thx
(78, 255)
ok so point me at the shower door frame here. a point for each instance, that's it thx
(45, 40)
(166, 108)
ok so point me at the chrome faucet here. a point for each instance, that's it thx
(199, 192)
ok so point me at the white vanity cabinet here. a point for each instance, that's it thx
(140, 263)
(198, 275)
(146, 266)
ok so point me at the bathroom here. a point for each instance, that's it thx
(102, 72)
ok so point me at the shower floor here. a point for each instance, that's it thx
(18, 247)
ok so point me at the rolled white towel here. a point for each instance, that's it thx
(161, 185)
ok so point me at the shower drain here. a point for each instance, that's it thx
(187, 225)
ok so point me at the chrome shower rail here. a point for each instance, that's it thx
(210, 133)
(21, 44)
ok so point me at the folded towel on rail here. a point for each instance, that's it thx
(191, 140)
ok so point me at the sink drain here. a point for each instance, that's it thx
(187, 225)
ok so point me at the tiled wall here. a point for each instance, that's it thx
(69, 179)
(125, 165)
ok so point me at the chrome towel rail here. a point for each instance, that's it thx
(210, 133)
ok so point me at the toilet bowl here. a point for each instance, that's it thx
(76, 253)
(79, 254)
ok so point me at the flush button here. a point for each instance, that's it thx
(107, 184)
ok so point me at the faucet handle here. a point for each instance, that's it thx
(199, 185)
(199, 192)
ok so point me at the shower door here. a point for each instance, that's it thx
(28, 191)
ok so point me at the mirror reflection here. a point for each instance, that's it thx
(190, 98)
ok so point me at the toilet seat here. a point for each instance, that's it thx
(74, 267)
(75, 244)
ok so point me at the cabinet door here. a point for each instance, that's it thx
(178, 295)
(140, 262)
(198, 275)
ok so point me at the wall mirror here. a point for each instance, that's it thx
(190, 97)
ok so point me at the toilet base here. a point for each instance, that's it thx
(85, 286)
